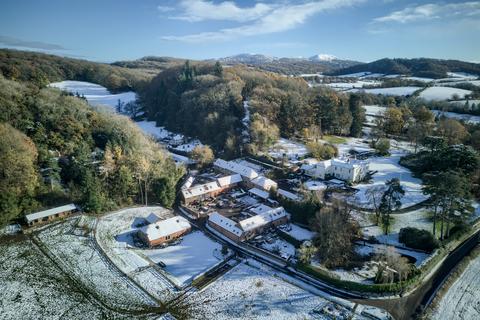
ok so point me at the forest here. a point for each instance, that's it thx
(56, 149)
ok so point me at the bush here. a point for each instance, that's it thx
(418, 239)
(382, 147)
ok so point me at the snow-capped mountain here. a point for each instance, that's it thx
(323, 57)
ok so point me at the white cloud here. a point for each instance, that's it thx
(280, 18)
(433, 11)
(200, 10)
(165, 9)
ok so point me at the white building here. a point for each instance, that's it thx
(264, 183)
(346, 170)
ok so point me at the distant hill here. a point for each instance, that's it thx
(289, 66)
(41, 69)
(420, 67)
(150, 65)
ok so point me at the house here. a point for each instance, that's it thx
(201, 191)
(50, 214)
(248, 228)
(230, 181)
(225, 226)
(164, 231)
(346, 170)
(263, 183)
(211, 189)
(230, 167)
(259, 193)
(265, 217)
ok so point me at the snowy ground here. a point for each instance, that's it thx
(443, 93)
(151, 129)
(462, 300)
(32, 287)
(257, 292)
(195, 255)
(459, 116)
(289, 148)
(394, 91)
(78, 255)
(388, 168)
(94, 93)
(315, 185)
(279, 247)
(297, 232)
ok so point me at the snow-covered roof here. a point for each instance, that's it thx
(152, 218)
(229, 180)
(264, 183)
(200, 189)
(262, 219)
(188, 183)
(348, 163)
(165, 227)
(260, 193)
(261, 208)
(287, 194)
(50, 212)
(236, 168)
(225, 223)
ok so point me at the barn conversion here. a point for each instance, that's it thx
(210, 189)
(233, 167)
(164, 231)
(50, 214)
(248, 228)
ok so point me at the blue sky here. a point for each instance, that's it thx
(363, 30)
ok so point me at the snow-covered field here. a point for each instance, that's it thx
(32, 287)
(394, 91)
(195, 255)
(388, 168)
(78, 255)
(351, 85)
(94, 93)
(257, 292)
(443, 93)
(462, 300)
(459, 116)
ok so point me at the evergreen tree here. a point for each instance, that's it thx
(391, 200)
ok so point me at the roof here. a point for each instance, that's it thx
(152, 218)
(225, 223)
(260, 193)
(229, 180)
(188, 183)
(236, 168)
(262, 219)
(50, 212)
(264, 182)
(165, 227)
(349, 163)
(261, 208)
(200, 189)
(288, 194)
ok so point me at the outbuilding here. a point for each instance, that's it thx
(164, 231)
(50, 214)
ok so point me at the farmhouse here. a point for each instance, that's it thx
(346, 170)
(50, 214)
(164, 231)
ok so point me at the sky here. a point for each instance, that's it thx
(362, 30)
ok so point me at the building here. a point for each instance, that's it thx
(346, 170)
(164, 231)
(264, 218)
(225, 226)
(263, 183)
(50, 214)
(201, 191)
(230, 167)
(211, 189)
